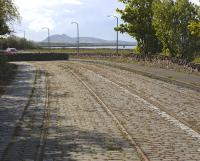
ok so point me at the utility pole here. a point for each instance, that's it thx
(24, 38)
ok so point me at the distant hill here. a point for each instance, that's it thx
(64, 39)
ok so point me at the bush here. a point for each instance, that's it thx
(3, 60)
(197, 60)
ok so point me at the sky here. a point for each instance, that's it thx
(92, 16)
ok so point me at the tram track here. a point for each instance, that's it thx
(149, 81)
(151, 133)
(46, 119)
(143, 73)
(134, 92)
(123, 130)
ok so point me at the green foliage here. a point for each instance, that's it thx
(194, 28)
(171, 20)
(18, 43)
(2, 60)
(137, 16)
(8, 14)
(173, 25)
(197, 60)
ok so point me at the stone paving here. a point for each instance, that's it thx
(184, 78)
(159, 137)
(182, 102)
(80, 128)
(21, 140)
(13, 102)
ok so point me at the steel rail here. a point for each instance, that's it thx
(123, 130)
(133, 92)
(46, 119)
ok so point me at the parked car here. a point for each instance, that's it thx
(10, 51)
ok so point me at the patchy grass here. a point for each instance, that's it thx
(197, 60)
(171, 78)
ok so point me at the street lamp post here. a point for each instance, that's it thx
(48, 30)
(24, 38)
(77, 25)
(117, 41)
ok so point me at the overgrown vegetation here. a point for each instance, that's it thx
(18, 43)
(163, 26)
(8, 14)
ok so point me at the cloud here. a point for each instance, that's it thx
(195, 1)
(38, 24)
(40, 13)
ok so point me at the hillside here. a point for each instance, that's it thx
(83, 40)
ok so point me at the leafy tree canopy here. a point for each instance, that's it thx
(137, 16)
(171, 19)
(194, 28)
(8, 14)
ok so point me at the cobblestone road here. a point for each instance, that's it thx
(162, 137)
(22, 112)
(80, 128)
(103, 113)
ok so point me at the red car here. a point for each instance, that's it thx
(10, 51)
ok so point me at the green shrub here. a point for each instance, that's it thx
(2, 61)
(197, 60)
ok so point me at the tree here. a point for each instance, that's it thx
(171, 19)
(137, 16)
(8, 14)
(18, 43)
(194, 28)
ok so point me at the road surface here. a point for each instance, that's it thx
(79, 110)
